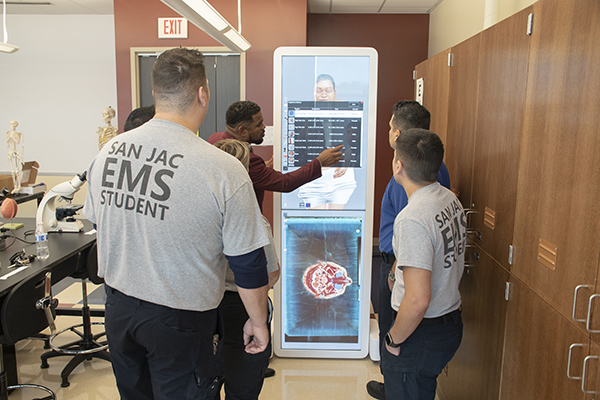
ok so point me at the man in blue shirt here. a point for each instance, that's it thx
(406, 114)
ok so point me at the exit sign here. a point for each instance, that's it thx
(172, 28)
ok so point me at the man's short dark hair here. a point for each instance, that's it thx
(409, 114)
(176, 77)
(326, 77)
(138, 117)
(240, 112)
(421, 153)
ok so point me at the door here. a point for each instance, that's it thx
(557, 220)
(224, 81)
(499, 125)
(462, 107)
(474, 372)
(536, 350)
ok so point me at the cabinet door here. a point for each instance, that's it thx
(474, 372)
(536, 350)
(436, 86)
(557, 220)
(462, 107)
(501, 101)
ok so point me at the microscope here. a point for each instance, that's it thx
(57, 218)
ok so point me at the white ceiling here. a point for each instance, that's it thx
(314, 6)
(371, 6)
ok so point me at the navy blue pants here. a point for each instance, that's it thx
(413, 374)
(385, 312)
(159, 352)
(244, 373)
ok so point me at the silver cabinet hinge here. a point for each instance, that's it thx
(530, 24)
(507, 291)
(449, 59)
(511, 252)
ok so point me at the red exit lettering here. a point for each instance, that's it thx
(172, 27)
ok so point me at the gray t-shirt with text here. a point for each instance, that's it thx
(430, 233)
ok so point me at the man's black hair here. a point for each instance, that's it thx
(138, 117)
(240, 112)
(410, 114)
(421, 153)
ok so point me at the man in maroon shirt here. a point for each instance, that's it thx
(244, 122)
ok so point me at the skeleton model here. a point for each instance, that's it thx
(15, 157)
(105, 133)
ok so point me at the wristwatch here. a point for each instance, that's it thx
(390, 341)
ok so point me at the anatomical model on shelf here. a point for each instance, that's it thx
(105, 133)
(15, 154)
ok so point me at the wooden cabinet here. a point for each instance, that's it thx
(557, 223)
(501, 101)
(536, 350)
(474, 372)
(523, 150)
(462, 107)
(435, 73)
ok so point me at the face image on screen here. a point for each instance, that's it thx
(325, 103)
(320, 282)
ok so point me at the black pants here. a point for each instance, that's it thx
(385, 313)
(159, 352)
(244, 373)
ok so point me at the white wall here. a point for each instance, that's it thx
(454, 21)
(56, 87)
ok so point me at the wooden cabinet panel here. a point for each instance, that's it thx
(436, 87)
(501, 101)
(474, 372)
(557, 220)
(462, 111)
(536, 349)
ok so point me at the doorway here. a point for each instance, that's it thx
(225, 72)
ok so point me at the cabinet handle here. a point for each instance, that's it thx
(470, 211)
(569, 361)
(575, 302)
(476, 256)
(585, 360)
(589, 314)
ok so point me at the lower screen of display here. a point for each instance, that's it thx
(320, 281)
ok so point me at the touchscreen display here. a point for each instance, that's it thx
(324, 104)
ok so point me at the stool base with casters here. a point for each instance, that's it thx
(86, 348)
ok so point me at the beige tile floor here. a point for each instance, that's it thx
(295, 379)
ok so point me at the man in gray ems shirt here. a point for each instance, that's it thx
(171, 210)
(429, 244)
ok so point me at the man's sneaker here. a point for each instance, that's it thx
(376, 390)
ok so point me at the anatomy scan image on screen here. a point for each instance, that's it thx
(325, 105)
(321, 283)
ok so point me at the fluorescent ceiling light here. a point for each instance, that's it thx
(238, 39)
(5, 47)
(205, 17)
(8, 48)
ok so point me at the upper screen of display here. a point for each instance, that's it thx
(325, 103)
(313, 127)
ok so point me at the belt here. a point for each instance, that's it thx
(451, 316)
(388, 258)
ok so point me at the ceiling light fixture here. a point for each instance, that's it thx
(5, 47)
(205, 17)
